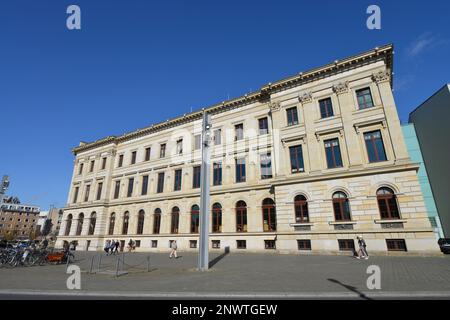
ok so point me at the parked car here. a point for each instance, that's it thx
(444, 244)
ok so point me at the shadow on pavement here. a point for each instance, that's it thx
(362, 295)
(217, 259)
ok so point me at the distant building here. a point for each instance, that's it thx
(17, 220)
(49, 222)
(54, 220)
(430, 120)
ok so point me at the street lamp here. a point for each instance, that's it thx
(203, 257)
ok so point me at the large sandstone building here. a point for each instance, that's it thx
(305, 164)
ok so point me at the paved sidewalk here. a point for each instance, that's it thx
(238, 275)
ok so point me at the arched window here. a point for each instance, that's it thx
(301, 209)
(269, 215)
(126, 220)
(112, 222)
(175, 220)
(140, 224)
(80, 223)
(341, 207)
(387, 204)
(92, 222)
(195, 219)
(216, 217)
(68, 225)
(241, 216)
(156, 221)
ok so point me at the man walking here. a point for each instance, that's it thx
(116, 249)
(362, 252)
(173, 246)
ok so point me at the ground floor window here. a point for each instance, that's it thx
(216, 244)
(346, 245)
(396, 244)
(304, 244)
(241, 244)
(138, 243)
(192, 244)
(154, 243)
(269, 244)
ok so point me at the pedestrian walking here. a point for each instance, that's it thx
(130, 245)
(116, 246)
(107, 247)
(112, 246)
(173, 252)
(362, 251)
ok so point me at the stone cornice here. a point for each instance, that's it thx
(384, 53)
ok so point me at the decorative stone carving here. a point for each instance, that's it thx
(305, 97)
(381, 76)
(341, 87)
(274, 105)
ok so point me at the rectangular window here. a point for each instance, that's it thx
(180, 146)
(333, 153)
(120, 160)
(326, 108)
(217, 173)
(103, 163)
(138, 243)
(75, 194)
(92, 166)
(86, 193)
(80, 171)
(215, 244)
(217, 136)
(364, 98)
(147, 153)
(154, 243)
(197, 142)
(241, 244)
(117, 189)
(99, 190)
(130, 187)
(396, 245)
(269, 244)
(292, 116)
(296, 156)
(193, 244)
(240, 170)
(162, 150)
(144, 185)
(239, 132)
(160, 187)
(266, 166)
(196, 177)
(263, 126)
(304, 244)
(375, 146)
(177, 180)
(133, 157)
(346, 245)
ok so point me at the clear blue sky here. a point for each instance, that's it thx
(135, 63)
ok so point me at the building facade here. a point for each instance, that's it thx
(18, 221)
(305, 164)
(430, 123)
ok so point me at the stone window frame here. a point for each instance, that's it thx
(380, 125)
(337, 133)
(305, 153)
(361, 84)
(328, 93)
